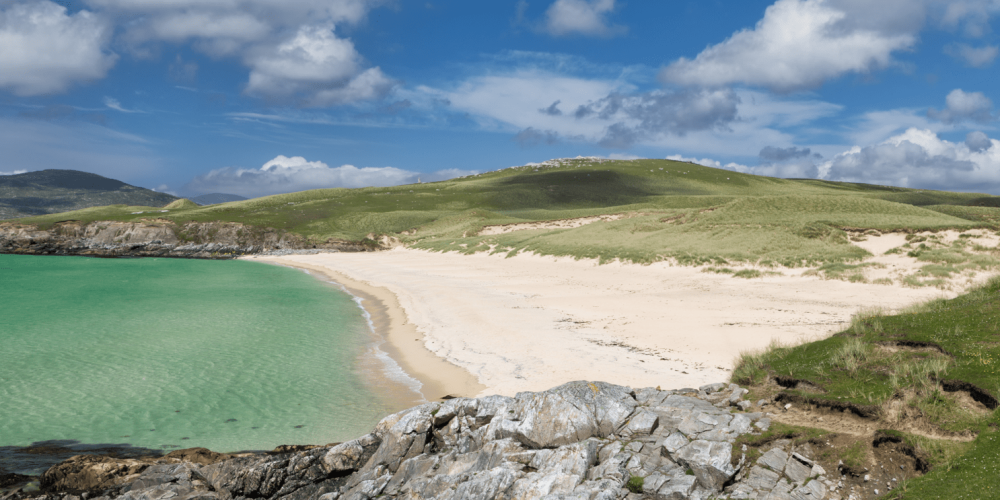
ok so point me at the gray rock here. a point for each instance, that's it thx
(675, 442)
(710, 462)
(679, 487)
(567, 414)
(404, 436)
(776, 459)
(762, 479)
(642, 423)
(577, 441)
(763, 424)
(710, 388)
(737, 395)
(344, 457)
(740, 424)
(796, 471)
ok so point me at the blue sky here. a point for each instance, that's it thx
(255, 97)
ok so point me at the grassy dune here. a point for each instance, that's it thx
(675, 210)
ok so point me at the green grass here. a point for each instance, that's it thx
(635, 484)
(965, 471)
(678, 211)
(856, 366)
(914, 357)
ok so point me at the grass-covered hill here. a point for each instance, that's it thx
(670, 210)
(54, 191)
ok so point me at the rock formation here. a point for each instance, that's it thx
(582, 440)
(159, 238)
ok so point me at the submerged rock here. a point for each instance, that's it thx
(581, 440)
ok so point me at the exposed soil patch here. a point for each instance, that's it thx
(863, 411)
(797, 384)
(978, 394)
(912, 346)
(887, 441)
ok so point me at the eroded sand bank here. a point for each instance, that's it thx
(531, 322)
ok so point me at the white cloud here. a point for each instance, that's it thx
(315, 67)
(289, 47)
(961, 106)
(977, 57)
(977, 141)
(291, 174)
(14, 172)
(920, 159)
(972, 15)
(116, 105)
(876, 126)
(802, 43)
(546, 107)
(708, 162)
(43, 50)
(581, 17)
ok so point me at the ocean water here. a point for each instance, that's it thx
(168, 353)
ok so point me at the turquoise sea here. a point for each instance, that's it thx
(167, 353)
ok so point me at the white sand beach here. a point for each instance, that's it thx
(531, 322)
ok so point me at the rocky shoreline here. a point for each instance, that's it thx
(581, 440)
(162, 238)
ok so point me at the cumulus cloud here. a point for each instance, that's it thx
(581, 17)
(44, 50)
(290, 174)
(315, 67)
(787, 162)
(531, 137)
(552, 110)
(971, 15)
(636, 117)
(920, 159)
(961, 106)
(977, 57)
(800, 44)
(978, 142)
(772, 153)
(289, 47)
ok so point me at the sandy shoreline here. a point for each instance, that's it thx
(479, 324)
(437, 376)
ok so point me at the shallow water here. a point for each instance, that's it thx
(165, 353)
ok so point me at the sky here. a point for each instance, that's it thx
(257, 97)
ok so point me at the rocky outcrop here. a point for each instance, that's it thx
(582, 440)
(160, 238)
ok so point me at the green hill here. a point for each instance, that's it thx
(674, 210)
(54, 191)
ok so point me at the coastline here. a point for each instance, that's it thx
(437, 376)
(529, 322)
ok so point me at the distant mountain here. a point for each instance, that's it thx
(212, 199)
(55, 191)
